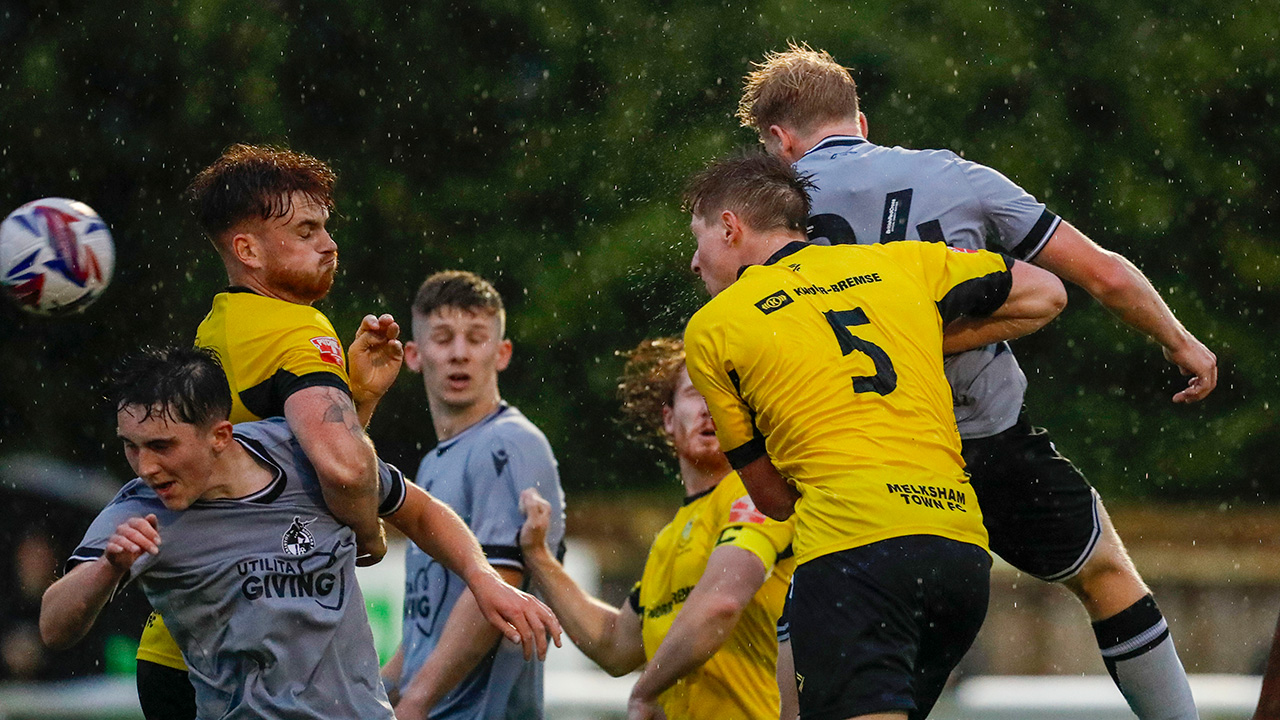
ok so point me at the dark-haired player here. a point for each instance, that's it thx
(228, 534)
(451, 664)
(265, 211)
(822, 367)
(1043, 516)
(701, 619)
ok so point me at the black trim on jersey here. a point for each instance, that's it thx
(837, 141)
(399, 491)
(240, 289)
(633, 599)
(266, 399)
(698, 496)
(978, 297)
(747, 453)
(444, 446)
(788, 551)
(82, 554)
(510, 553)
(1034, 242)
(268, 494)
(791, 247)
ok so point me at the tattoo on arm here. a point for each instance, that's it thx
(341, 410)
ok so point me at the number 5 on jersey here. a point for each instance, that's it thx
(885, 379)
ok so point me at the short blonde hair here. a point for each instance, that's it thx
(801, 87)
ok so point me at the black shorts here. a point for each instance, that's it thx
(165, 693)
(878, 628)
(1041, 514)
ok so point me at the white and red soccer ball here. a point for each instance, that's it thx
(56, 256)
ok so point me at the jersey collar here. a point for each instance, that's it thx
(837, 141)
(785, 250)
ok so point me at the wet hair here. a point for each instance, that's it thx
(256, 181)
(800, 87)
(764, 191)
(461, 290)
(185, 384)
(648, 383)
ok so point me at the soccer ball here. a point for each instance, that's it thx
(56, 256)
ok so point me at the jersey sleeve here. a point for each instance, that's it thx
(391, 489)
(516, 459)
(93, 545)
(1022, 225)
(307, 354)
(743, 526)
(714, 375)
(972, 283)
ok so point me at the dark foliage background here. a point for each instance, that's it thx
(544, 144)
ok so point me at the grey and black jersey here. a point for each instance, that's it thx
(260, 591)
(866, 193)
(480, 473)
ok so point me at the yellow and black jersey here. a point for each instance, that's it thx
(270, 349)
(830, 360)
(738, 681)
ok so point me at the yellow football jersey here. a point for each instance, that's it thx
(829, 358)
(739, 680)
(269, 349)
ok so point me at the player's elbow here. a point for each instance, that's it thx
(349, 474)
(54, 634)
(1113, 281)
(616, 667)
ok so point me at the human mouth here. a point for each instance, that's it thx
(458, 381)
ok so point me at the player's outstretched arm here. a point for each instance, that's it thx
(437, 529)
(732, 577)
(1122, 288)
(609, 636)
(324, 420)
(71, 605)
(374, 361)
(771, 492)
(1035, 298)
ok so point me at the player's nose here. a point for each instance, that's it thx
(696, 264)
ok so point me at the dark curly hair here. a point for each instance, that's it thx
(648, 383)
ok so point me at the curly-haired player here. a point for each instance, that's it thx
(701, 619)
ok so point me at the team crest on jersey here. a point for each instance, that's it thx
(744, 511)
(330, 349)
(774, 302)
(686, 533)
(298, 540)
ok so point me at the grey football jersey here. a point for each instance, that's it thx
(867, 194)
(260, 591)
(480, 473)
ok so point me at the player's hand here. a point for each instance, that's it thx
(640, 708)
(537, 519)
(1200, 364)
(374, 357)
(521, 617)
(371, 546)
(132, 539)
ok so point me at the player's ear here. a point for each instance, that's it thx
(862, 123)
(246, 249)
(221, 435)
(504, 354)
(732, 226)
(412, 359)
(668, 420)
